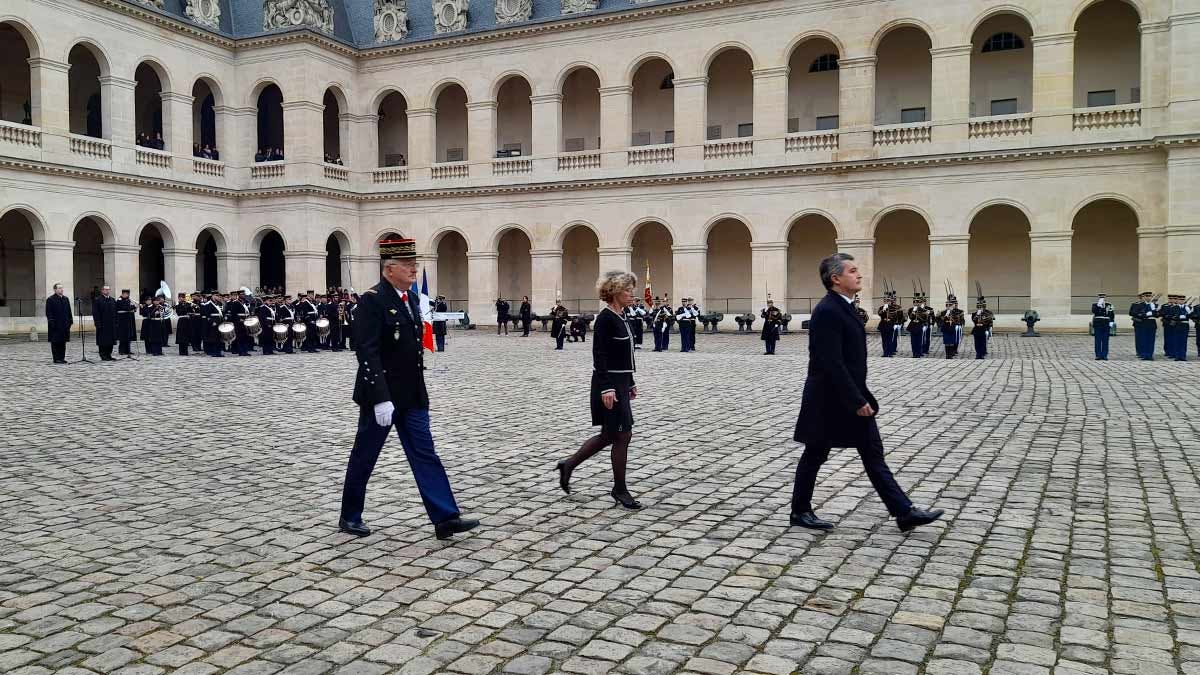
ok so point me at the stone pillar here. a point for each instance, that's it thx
(691, 116)
(428, 272)
(948, 263)
(177, 124)
(365, 150)
(547, 279)
(237, 135)
(547, 130)
(856, 107)
(240, 269)
(1184, 79)
(951, 93)
(483, 282)
(121, 267)
(180, 269)
(616, 258)
(481, 137)
(1053, 83)
(49, 106)
(1152, 251)
(1183, 220)
(689, 265)
(1156, 64)
(53, 263)
(1050, 273)
(863, 251)
(769, 272)
(770, 110)
(302, 270)
(421, 142)
(117, 110)
(346, 133)
(303, 134)
(364, 272)
(616, 125)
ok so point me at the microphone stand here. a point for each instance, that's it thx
(82, 354)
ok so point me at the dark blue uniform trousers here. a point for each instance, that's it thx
(890, 337)
(918, 343)
(412, 426)
(662, 338)
(1101, 340)
(981, 341)
(871, 454)
(1143, 339)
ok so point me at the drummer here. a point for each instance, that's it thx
(285, 316)
(266, 318)
(236, 312)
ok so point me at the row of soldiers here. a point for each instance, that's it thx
(660, 316)
(1174, 315)
(921, 320)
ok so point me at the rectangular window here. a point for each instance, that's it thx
(1102, 98)
(746, 130)
(641, 138)
(827, 122)
(513, 149)
(714, 132)
(454, 154)
(793, 125)
(669, 136)
(909, 115)
(1004, 106)
(573, 144)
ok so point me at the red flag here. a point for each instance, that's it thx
(648, 296)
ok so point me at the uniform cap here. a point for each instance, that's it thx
(398, 249)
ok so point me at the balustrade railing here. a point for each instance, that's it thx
(390, 174)
(1000, 126)
(450, 170)
(208, 167)
(90, 147)
(336, 172)
(20, 134)
(265, 170)
(901, 134)
(651, 154)
(577, 161)
(1109, 117)
(512, 166)
(809, 141)
(726, 149)
(158, 159)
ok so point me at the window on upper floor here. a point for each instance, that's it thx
(1003, 42)
(1004, 106)
(908, 115)
(827, 122)
(1100, 98)
(823, 63)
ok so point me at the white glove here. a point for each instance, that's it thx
(383, 413)
(1111, 324)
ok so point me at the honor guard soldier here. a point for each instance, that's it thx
(772, 324)
(126, 323)
(685, 317)
(637, 322)
(558, 327)
(211, 313)
(266, 319)
(664, 316)
(891, 322)
(1195, 317)
(337, 323)
(1143, 314)
(439, 326)
(1103, 321)
(285, 315)
(920, 319)
(195, 325)
(951, 322)
(183, 328)
(153, 329)
(981, 329)
(1175, 316)
(389, 389)
(862, 313)
(236, 312)
(104, 319)
(306, 313)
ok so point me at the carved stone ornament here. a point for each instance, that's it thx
(512, 11)
(287, 13)
(576, 6)
(449, 15)
(391, 20)
(204, 12)
(157, 4)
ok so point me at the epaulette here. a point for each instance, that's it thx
(371, 290)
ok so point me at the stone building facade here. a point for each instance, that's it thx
(1047, 149)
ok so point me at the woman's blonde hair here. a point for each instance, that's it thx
(614, 282)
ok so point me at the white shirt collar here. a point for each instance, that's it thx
(848, 300)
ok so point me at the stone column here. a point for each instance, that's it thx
(616, 258)
(302, 270)
(770, 110)
(1183, 220)
(616, 125)
(547, 129)
(303, 135)
(951, 94)
(1156, 63)
(948, 262)
(180, 269)
(483, 282)
(177, 124)
(117, 115)
(364, 272)
(856, 107)
(121, 267)
(863, 251)
(53, 263)
(1183, 81)
(1152, 251)
(421, 142)
(365, 151)
(237, 135)
(428, 272)
(1050, 273)
(481, 139)
(689, 267)
(547, 279)
(691, 116)
(49, 107)
(769, 274)
(1053, 83)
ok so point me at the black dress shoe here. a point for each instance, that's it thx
(564, 476)
(916, 517)
(811, 521)
(449, 528)
(355, 527)
(626, 500)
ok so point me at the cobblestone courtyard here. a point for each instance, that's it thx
(179, 515)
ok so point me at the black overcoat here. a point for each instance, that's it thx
(104, 318)
(836, 386)
(58, 318)
(387, 343)
(126, 323)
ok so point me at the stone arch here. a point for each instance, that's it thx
(390, 106)
(164, 229)
(256, 239)
(632, 230)
(897, 24)
(440, 86)
(450, 245)
(561, 235)
(1137, 209)
(21, 285)
(808, 35)
(32, 42)
(903, 74)
(716, 51)
(569, 69)
(389, 232)
(514, 263)
(271, 247)
(36, 222)
(435, 239)
(382, 93)
(729, 97)
(729, 215)
(1000, 201)
(337, 258)
(579, 242)
(98, 53)
(102, 221)
(494, 243)
(339, 92)
(580, 109)
(900, 207)
(214, 87)
(1000, 10)
(643, 59)
(1138, 7)
(513, 94)
(729, 266)
(811, 235)
(652, 103)
(334, 126)
(451, 102)
(813, 86)
(650, 241)
(257, 89)
(795, 217)
(1104, 251)
(164, 75)
(1001, 80)
(152, 239)
(1107, 54)
(89, 265)
(504, 77)
(901, 235)
(999, 254)
(210, 242)
(217, 233)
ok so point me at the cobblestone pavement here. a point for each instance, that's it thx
(179, 515)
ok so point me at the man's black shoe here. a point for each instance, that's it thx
(449, 528)
(355, 527)
(917, 517)
(811, 521)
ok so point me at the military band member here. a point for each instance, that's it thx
(195, 325)
(236, 312)
(920, 320)
(891, 321)
(502, 308)
(266, 319)
(337, 323)
(390, 391)
(210, 312)
(526, 315)
(1175, 327)
(126, 323)
(351, 306)
(1103, 321)
(981, 326)
(951, 322)
(439, 326)
(772, 324)
(637, 321)
(153, 330)
(104, 318)
(307, 313)
(558, 328)
(285, 314)
(664, 317)
(183, 331)
(1143, 314)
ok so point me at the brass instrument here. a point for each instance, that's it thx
(342, 313)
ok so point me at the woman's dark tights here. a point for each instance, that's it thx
(620, 455)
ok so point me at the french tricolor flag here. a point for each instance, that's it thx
(426, 311)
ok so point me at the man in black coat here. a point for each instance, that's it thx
(837, 409)
(58, 323)
(126, 323)
(526, 315)
(439, 327)
(502, 308)
(390, 392)
(104, 318)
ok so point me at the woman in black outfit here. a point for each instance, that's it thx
(612, 387)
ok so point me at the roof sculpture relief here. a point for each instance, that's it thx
(391, 20)
(513, 11)
(204, 12)
(449, 16)
(308, 13)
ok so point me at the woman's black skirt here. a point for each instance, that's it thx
(620, 418)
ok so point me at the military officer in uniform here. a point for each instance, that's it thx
(183, 328)
(664, 316)
(236, 312)
(1143, 313)
(211, 313)
(981, 326)
(195, 325)
(1177, 334)
(104, 318)
(285, 315)
(891, 322)
(920, 318)
(951, 322)
(266, 319)
(637, 322)
(862, 313)
(772, 323)
(1195, 317)
(126, 324)
(1103, 321)
(685, 318)
(502, 308)
(307, 313)
(389, 389)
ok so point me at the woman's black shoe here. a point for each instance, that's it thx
(564, 476)
(626, 500)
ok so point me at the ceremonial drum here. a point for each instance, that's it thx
(253, 327)
(226, 331)
(280, 332)
(322, 327)
(299, 330)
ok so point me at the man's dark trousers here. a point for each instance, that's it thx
(890, 337)
(1143, 338)
(412, 426)
(1101, 340)
(871, 454)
